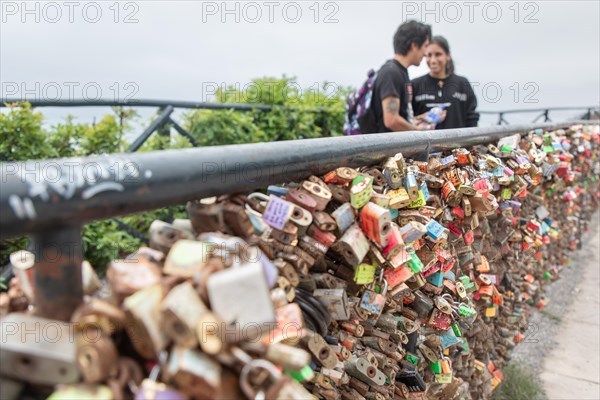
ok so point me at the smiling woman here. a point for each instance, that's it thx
(444, 89)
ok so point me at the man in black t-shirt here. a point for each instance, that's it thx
(391, 108)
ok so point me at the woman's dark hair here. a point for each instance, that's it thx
(443, 43)
(408, 33)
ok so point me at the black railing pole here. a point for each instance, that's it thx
(158, 123)
(183, 132)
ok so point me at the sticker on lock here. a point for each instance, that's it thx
(372, 301)
(278, 212)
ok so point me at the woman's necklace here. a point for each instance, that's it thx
(441, 86)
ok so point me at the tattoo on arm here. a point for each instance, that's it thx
(393, 106)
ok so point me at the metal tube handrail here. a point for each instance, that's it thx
(144, 103)
(220, 106)
(42, 195)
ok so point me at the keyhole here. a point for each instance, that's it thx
(324, 353)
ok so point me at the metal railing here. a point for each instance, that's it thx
(50, 200)
(166, 108)
(588, 113)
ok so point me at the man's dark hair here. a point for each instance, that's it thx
(408, 33)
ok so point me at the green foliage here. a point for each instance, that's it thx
(104, 241)
(22, 136)
(519, 383)
(298, 114)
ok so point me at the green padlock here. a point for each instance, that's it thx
(456, 329)
(305, 374)
(412, 359)
(415, 263)
(436, 367)
(466, 311)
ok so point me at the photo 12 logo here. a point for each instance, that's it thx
(519, 92)
(53, 12)
(68, 91)
(270, 11)
(471, 11)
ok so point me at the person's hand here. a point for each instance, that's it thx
(424, 126)
(421, 117)
(443, 116)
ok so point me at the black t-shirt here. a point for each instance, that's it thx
(455, 93)
(392, 80)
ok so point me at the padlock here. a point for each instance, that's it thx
(412, 380)
(336, 302)
(340, 176)
(321, 194)
(392, 174)
(206, 215)
(186, 258)
(364, 371)
(287, 271)
(382, 200)
(371, 300)
(450, 195)
(375, 222)
(395, 243)
(145, 321)
(324, 221)
(442, 305)
(445, 376)
(288, 235)
(448, 161)
(183, 224)
(251, 308)
(319, 349)
(399, 198)
(302, 199)
(432, 181)
(344, 217)
(130, 275)
(353, 245)
(412, 231)
(237, 220)
(99, 314)
(328, 281)
(361, 191)
(301, 218)
(29, 354)
(325, 238)
(289, 357)
(163, 236)
(96, 355)
(193, 373)
(422, 304)
(180, 311)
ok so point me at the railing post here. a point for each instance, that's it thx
(546, 116)
(58, 288)
(162, 119)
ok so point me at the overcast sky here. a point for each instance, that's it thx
(518, 55)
